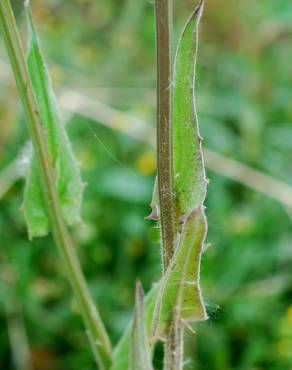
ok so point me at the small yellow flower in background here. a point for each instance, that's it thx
(136, 248)
(87, 160)
(46, 289)
(146, 163)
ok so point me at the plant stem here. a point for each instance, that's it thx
(96, 332)
(174, 346)
(164, 31)
(173, 356)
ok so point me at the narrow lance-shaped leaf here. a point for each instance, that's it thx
(189, 173)
(67, 173)
(180, 289)
(121, 354)
(140, 354)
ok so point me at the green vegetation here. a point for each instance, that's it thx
(101, 57)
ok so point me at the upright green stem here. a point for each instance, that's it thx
(95, 329)
(164, 29)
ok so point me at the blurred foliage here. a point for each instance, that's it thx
(107, 48)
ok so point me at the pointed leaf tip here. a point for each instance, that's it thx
(189, 173)
(140, 354)
(199, 10)
(122, 352)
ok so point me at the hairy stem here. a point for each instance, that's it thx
(174, 346)
(164, 126)
(164, 29)
(98, 337)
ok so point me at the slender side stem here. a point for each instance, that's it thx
(97, 335)
(164, 28)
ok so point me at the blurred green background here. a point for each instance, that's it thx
(101, 55)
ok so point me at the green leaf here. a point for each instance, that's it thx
(180, 293)
(33, 208)
(140, 354)
(68, 179)
(189, 174)
(121, 354)
(180, 288)
(155, 210)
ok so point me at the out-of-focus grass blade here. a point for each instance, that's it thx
(140, 354)
(189, 173)
(121, 354)
(180, 288)
(68, 179)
